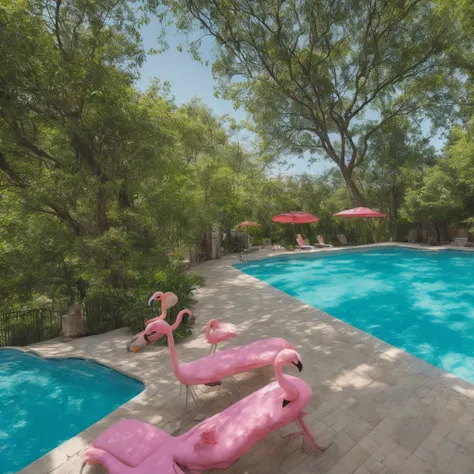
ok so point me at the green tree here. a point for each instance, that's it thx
(323, 77)
(397, 154)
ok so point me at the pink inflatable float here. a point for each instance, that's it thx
(211, 369)
(134, 447)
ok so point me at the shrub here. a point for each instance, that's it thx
(172, 278)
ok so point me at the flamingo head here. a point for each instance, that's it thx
(156, 296)
(155, 330)
(287, 357)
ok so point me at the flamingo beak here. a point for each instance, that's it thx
(285, 402)
(299, 365)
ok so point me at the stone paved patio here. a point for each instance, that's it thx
(379, 409)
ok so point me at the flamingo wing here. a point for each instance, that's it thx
(222, 333)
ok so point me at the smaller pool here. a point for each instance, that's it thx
(44, 402)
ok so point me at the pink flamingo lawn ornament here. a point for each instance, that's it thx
(168, 300)
(134, 447)
(219, 332)
(211, 369)
(215, 331)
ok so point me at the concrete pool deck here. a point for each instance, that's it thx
(379, 409)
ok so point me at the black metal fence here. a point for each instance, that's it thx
(102, 314)
(19, 328)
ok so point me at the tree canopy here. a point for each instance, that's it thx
(323, 77)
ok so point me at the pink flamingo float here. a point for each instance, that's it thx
(134, 447)
(219, 332)
(211, 369)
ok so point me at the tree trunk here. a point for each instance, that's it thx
(356, 196)
(394, 212)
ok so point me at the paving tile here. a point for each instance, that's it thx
(358, 428)
(373, 465)
(354, 458)
(412, 465)
(445, 451)
(362, 470)
(369, 444)
(396, 458)
(337, 470)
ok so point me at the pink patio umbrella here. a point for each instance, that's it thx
(295, 217)
(360, 212)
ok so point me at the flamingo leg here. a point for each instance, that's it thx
(189, 392)
(194, 395)
(307, 436)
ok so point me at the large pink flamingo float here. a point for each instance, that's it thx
(211, 369)
(134, 447)
(219, 332)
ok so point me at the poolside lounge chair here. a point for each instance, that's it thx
(460, 242)
(343, 240)
(302, 244)
(321, 242)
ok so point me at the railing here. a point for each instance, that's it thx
(102, 314)
(20, 328)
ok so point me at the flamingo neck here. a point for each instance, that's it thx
(213, 323)
(163, 308)
(173, 354)
(179, 318)
(290, 390)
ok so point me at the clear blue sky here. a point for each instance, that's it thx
(189, 78)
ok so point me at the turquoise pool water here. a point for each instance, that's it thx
(44, 402)
(420, 301)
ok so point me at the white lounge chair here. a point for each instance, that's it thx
(460, 241)
(343, 240)
(321, 242)
(302, 244)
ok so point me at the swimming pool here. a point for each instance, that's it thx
(420, 301)
(44, 402)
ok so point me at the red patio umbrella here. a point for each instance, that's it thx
(295, 217)
(359, 212)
